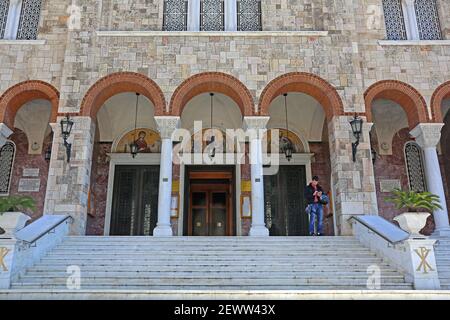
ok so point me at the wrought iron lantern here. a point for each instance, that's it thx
(66, 129)
(134, 148)
(356, 124)
(288, 150)
(212, 152)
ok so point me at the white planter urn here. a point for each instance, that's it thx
(413, 222)
(12, 222)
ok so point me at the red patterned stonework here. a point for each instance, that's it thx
(99, 189)
(320, 166)
(393, 167)
(445, 157)
(24, 160)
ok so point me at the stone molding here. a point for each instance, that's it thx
(402, 93)
(256, 123)
(206, 82)
(313, 85)
(441, 93)
(211, 33)
(16, 96)
(120, 82)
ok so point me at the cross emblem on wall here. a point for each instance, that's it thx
(3, 253)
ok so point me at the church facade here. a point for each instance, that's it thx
(137, 81)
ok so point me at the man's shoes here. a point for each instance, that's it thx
(319, 234)
(312, 234)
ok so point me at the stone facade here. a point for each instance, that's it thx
(333, 51)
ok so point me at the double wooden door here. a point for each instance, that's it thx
(209, 213)
(284, 202)
(135, 200)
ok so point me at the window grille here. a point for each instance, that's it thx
(428, 20)
(212, 15)
(7, 153)
(249, 15)
(414, 167)
(175, 15)
(4, 7)
(394, 19)
(29, 19)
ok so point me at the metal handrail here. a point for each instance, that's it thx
(378, 233)
(47, 231)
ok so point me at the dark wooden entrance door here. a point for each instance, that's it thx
(284, 202)
(209, 212)
(210, 202)
(135, 200)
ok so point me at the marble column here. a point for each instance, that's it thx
(427, 136)
(68, 182)
(166, 126)
(258, 125)
(411, 19)
(5, 132)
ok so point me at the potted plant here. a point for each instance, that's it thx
(414, 219)
(12, 218)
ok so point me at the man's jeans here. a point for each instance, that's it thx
(316, 210)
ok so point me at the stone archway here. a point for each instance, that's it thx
(120, 82)
(15, 97)
(401, 93)
(307, 83)
(212, 82)
(439, 95)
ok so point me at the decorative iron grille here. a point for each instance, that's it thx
(4, 8)
(249, 15)
(428, 20)
(394, 19)
(414, 166)
(29, 19)
(212, 15)
(175, 15)
(7, 153)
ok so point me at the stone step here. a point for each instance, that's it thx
(254, 273)
(206, 268)
(197, 282)
(231, 247)
(129, 290)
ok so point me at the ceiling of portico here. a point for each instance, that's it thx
(388, 118)
(306, 116)
(226, 113)
(33, 119)
(117, 116)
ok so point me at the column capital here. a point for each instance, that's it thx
(5, 132)
(167, 125)
(427, 135)
(256, 122)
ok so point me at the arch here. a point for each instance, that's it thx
(307, 83)
(16, 96)
(120, 82)
(212, 82)
(439, 95)
(401, 93)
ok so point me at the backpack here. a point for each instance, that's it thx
(324, 199)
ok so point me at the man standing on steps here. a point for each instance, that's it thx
(313, 193)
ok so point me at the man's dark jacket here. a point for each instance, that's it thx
(309, 193)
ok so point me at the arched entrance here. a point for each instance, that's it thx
(297, 108)
(27, 109)
(123, 192)
(395, 108)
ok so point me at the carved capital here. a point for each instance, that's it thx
(427, 135)
(256, 123)
(167, 125)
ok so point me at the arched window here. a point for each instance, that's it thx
(7, 153)
(412, 19)
(19, 19)
(212, 15)
(414, 167)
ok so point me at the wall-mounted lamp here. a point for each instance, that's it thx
(66, 129)
(356, 124)
(288, 146)
(134, 148)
